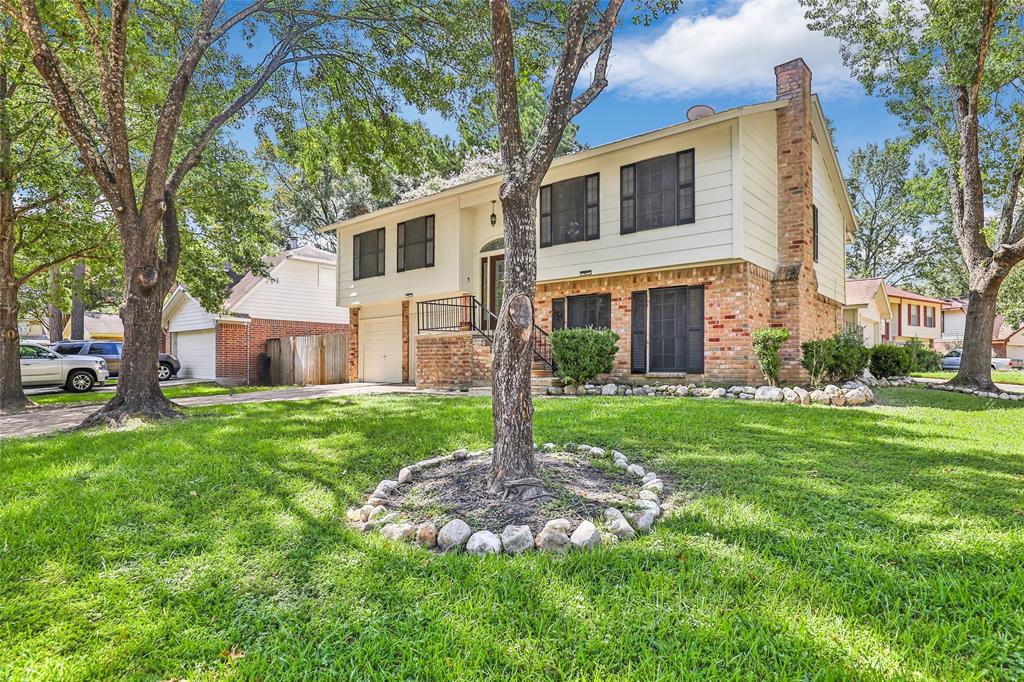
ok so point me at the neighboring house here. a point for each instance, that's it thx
(914, 317)
(1007, 342)
(32, 330)
(683, 240)
(867, 307)
(296, 298)
(99, 327)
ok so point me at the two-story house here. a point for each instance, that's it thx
(683, 240)
(914, 317)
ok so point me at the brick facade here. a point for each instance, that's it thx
(405, 342)
(241, 348)
(353, 345)
(457, 360)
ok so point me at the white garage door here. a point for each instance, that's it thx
(380, 350)
(197, 353)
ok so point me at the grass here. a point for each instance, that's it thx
(1011, 376)
(807, 543)
(183, 391)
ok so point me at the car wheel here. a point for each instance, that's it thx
(164, 372)
(80, 381)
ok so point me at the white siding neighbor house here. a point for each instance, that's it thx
(867, 307)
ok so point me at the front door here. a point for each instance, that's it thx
(677, 330)
(492, 275)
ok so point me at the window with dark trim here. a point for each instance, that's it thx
(657, 192)
(914, 315)
(590, 310)
(929, 316)
(814, 228)
(416, 244)
(368, 254)
(570, 211)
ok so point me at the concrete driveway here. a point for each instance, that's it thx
(42, 420)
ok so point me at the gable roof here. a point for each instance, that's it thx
(1001, 330)
(249, 280)
(861, 291)
(903, 293)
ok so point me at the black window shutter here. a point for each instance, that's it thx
(695, 330)
(545, 216)
(814, 212)
(380, 251)
(429, 260)
(685, 173)
(355, 257)
(627, 200)
(604, 311)
(638, 337)
(557, 314)
(592, 210)
(401, 247)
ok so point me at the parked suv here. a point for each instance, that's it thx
(111, 352)
(951, 360)
(77, 373)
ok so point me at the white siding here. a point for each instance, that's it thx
(380, 343)
(298, 290)
(831, 266)
(760, 195)
(953, 325)
(190, 316)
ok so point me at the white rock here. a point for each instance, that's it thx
(597, 452)
(549, 447)
(647, 505)
(621, 464)
(585, 448)
(648, 477)
(617, 524)
(648, 495)
(819, 397)
(484, 542)
(642, 520)
(585, 535)
(354, 514)
(453, 534)
(635, 470)
(839, 399)
(461, 453)
(552, 540)
(385, 486)
(832, 390)
(803, 395)
(770, 393)
(364, 511)
(560, 525)
(608, 389)
(856, 396)
(790, 396)
(426, 535)
(517, 539)
(399, 531)
(405, 476)
(655, 485)
(376, 512)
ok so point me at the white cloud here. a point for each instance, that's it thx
(727, 51)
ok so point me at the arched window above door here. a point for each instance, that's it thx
(494, 245)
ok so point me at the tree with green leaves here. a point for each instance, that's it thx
(891, 241)
(953, 72)
(155, 85)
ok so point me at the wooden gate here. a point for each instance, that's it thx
(305, 360)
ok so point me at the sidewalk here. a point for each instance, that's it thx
(1009, 388)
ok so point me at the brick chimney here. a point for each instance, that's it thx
(796, 303)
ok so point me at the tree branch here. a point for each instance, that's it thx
(84, 252)
(505, 81)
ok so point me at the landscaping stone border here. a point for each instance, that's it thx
(850, 394)
(1002, 395)
(557, 536)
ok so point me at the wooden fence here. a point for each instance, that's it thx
(305, 360)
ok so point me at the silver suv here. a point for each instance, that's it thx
(77, 373)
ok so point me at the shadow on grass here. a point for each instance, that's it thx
(873, 543)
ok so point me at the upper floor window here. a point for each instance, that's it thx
(814, 231)
(569, 211)
(368, 254)
(929, 316)
(657, 192)
(914, 315)
(416, 244)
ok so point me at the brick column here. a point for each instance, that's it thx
(405, 341)
(353, 344)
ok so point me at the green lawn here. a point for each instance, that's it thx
(1005, 377)
(183, 391)
(807, 543)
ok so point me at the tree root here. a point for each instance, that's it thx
(524, 489)
(116, 414)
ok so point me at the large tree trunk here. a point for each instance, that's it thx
(138, 389)
(55, 323)
(512, 467)
(976, 358)
(78, 302)
(12, 396)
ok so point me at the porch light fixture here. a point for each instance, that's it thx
(494, 218)
(584, 273)
(408, 294)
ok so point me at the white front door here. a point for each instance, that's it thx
(380, 350)
(197, 353)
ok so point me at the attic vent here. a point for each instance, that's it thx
(698, 111)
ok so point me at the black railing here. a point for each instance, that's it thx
(467, 314)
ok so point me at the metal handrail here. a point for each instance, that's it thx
(467, 313)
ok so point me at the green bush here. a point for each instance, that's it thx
(890, 361)
(583, 353)
(923, 358)
(836, 359)
(767, 344)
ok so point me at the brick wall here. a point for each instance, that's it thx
(405, 342)
(242, 347)
(457, 360)
(353, 344)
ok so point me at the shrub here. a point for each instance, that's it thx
(923, 358)
(890, 361)
(767, 343)
(583, 353)
(836, 359)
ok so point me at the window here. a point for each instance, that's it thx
(368, 254)
(929, 316)
(416, 244)
(569, 211)
(914, 315)
(657, 193)
(592, 310)
(676, 330)
(105, 349)
(32, 353)
(69, 348)
(814, 231)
